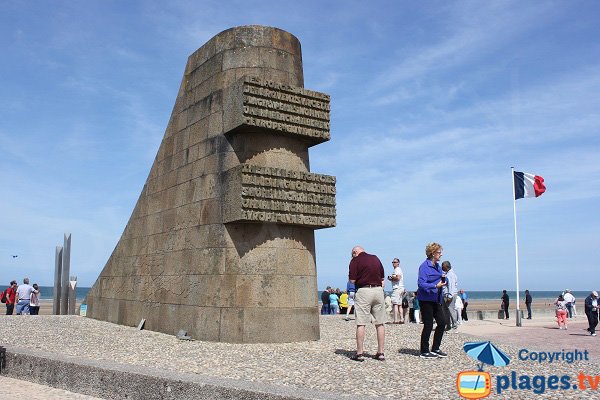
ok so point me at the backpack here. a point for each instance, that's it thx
(3, 296)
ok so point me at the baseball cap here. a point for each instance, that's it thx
(595, 293)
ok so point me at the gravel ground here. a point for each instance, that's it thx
(323, 365)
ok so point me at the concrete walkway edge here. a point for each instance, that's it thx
(104, 379)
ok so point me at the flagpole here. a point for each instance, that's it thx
(518, 318)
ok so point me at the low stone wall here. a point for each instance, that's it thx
(118, 381)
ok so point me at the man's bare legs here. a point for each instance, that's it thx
(360, 338)
(398, 313)
(380, 338)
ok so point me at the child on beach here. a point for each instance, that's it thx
(561, 312)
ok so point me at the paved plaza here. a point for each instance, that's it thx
(321, 367)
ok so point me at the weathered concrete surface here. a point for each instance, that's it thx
(221, 240)
(120, 381)
(298, 368)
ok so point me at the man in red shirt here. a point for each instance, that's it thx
(11, 292)
(366, 272)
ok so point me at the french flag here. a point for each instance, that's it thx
(528, 185)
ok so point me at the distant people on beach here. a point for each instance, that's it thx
(34, 304)
(366, 272)
(528, 301)
(452, 293)
(505, 303)
(417, 308)
(458, 307)
(387, 300)
(24, 297)
(574, 307)
(429, 294)
(343, 301)
(11, 295)
(465, 300)
(570, 300)
(334, 306)
(397, 279)
(405, 308)
(351, 288)
(591, 311)
(325, 301)
(561, 312)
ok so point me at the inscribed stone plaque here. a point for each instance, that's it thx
(264, 194)
(258, 103)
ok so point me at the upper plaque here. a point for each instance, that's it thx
(258, 103)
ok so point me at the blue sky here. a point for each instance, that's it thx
(432, 103)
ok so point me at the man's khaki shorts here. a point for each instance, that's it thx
(369, 302)
(397, 294)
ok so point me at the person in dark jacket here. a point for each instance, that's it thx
(528, 301)
(505, 303)
(591, 311)
(325, 301)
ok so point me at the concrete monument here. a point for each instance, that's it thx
(221, 241)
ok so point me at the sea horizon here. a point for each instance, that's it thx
(482, 295)
(489, 295)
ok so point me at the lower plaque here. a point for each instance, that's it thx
(264, 194)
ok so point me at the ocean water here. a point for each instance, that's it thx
(486, 295)
(47, 292)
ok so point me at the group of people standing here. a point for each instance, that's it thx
(25, 298)
(335, 301)
(437, 293)
(565, 307)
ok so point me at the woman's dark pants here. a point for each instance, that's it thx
(431, 310)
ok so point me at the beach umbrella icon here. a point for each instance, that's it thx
(486, 353)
